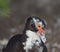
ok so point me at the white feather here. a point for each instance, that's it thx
(31, 40)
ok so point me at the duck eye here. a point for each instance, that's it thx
(38, 25)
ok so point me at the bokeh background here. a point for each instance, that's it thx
(13, 14)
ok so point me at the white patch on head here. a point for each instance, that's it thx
(34, 20)
(38, 22)
(33, 39)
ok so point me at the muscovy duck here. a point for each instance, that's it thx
(32, 39)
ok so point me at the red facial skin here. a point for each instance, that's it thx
(40, 29)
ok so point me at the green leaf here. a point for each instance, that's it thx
(4, 8)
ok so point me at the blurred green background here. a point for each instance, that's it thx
(13, 14)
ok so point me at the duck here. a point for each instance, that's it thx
(32, 39)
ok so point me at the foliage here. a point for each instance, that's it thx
(4, 7)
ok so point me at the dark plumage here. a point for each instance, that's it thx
(15, 43)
